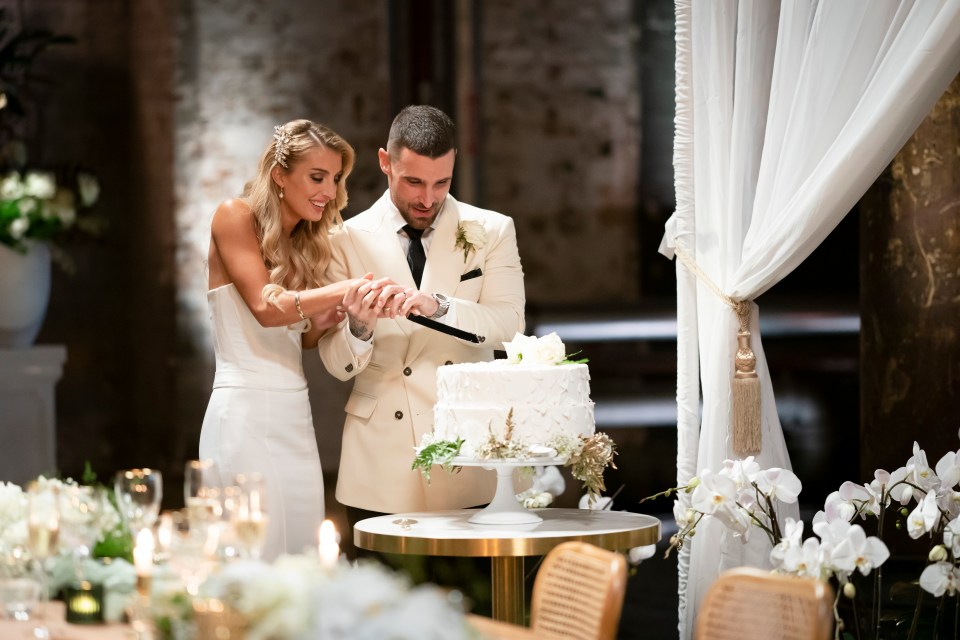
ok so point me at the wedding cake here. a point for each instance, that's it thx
(534, 403)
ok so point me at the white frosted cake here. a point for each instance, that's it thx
(548, 401)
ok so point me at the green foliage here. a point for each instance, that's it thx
(442, 453)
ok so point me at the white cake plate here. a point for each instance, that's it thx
(505, 509)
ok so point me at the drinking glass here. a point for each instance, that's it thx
(201, 490)
(83, 510)
(19, 587)
(43, 533)
(194, 549)
(248, 514)
(138, 492)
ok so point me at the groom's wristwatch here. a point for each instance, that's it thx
(443, 304)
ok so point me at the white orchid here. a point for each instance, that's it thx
(859, 551)
(742, 472)
(924, 517)
(714, 493)
(940, 578)
(779, 484)
(951, 537)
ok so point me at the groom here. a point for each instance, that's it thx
(447, 261)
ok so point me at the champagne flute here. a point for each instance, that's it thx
(249, 515)
(138, 492)
(43, 532)
(201, 490)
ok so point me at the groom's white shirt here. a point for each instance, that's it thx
(391, 404)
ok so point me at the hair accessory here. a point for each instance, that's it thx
(296, 301)
(280, 150)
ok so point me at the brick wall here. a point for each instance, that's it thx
(560, 147)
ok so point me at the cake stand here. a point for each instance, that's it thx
(505, 509)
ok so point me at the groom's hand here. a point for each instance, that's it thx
(360, 304)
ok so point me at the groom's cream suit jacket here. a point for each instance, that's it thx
(394, 390)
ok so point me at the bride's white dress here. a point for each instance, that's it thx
(259, 420)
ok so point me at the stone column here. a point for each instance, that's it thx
(910, 297)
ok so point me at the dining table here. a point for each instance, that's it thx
(450, 533)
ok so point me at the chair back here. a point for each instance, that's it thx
(753, 604)
(578, 592)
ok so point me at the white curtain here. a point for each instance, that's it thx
(786, 113)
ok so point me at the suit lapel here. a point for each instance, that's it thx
(379, 250)
(444, 263)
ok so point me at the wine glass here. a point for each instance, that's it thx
(82, 512)
(248, 514)
(138, 492)
(201, 490)
(43, 533)
(194, 548)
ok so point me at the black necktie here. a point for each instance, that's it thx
(416, 257)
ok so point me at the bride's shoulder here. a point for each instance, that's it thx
(233, 211)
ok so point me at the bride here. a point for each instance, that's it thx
(268, 251)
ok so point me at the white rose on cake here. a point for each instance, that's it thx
(548, 349)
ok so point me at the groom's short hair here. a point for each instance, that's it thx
(425, 130)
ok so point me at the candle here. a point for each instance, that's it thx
(143, 560)
(84, 603)
(329, 549)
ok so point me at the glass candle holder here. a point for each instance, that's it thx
(84, 603)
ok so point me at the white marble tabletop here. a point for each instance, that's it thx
(449, 533)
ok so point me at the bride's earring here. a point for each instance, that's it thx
(281, 193)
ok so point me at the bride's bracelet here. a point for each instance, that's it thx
(296, 301)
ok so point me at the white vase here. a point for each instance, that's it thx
(24, 293)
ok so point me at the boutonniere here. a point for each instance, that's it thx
(471, 236)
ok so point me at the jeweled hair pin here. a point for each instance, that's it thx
(280, 149)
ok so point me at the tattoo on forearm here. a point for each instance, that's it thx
(360, 330)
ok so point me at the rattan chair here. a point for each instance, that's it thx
(752, 604)
(577, 595)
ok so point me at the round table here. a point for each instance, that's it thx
(449, 533)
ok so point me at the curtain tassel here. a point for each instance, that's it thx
(746, 390)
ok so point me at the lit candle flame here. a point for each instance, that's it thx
(143, 553)
(329, 547)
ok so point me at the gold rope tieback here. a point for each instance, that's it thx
(747, 438)
(746, 385)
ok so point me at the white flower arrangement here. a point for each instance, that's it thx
(545, 350)
(33, 205)
(743, 497)
(295, 599)
(471, 236)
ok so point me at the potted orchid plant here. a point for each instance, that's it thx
(923, 501)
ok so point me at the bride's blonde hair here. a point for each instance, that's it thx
(299, 264)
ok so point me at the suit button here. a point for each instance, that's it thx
(398, 415)
(448, 362)
(407, 371)
(349, 368)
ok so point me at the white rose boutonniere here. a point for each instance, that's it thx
(471, 236)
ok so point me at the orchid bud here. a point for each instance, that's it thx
(938, 554)
(692, 533)
(693, 484)
(674, 540)
(904, 512)
(691, 514)
(849, 590)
